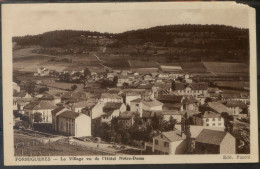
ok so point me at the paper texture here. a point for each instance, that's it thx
(129, 83)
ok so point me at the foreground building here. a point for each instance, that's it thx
(171, 142)
(215, 142)
(73, 124)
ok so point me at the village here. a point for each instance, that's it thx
(149, 108)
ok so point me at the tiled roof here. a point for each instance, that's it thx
(190, 100)
(69, 114)
(136, 100)
(20, 94)
(58, 109)
(219, 107)
(83, 104)
(191, 112)
(169, 98)
(193, 86)
(111, 96)
(210, 114)
(126, 115)
(233, 103)
(195, 130)
(230, 95)
(152, 103)
(173, 135)
(211, 136)
(39, 105)
(111, 106)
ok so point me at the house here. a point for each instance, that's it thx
(42, 107)
(171, 68)
(73, 69)
(126, 119)
(97, 110)
(107, 97)
(73, 97)
(111, 110)
(79, 106)
(215, 142)
(152, 104)
(42, 71)
(123, 80)
(236, 106)
(190, 89)
(50, 98)
(21, 95)
(74, 124)
(218, 108)
(171, 142)
(55, 113)
(190, 103)
(243, 97)
(136, 105)
(166, 114)
(212, 119)
(128, 97)
(171, 102)
(16, 88)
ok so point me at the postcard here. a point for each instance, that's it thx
(129, 83)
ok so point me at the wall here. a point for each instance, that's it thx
(177, 147)
(228, 145)
(130, 98)
(97, 110)
(82, 126)
(211, 122)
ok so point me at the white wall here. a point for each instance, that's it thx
(82, 126)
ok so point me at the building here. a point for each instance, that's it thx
(18, 95)
(42, 107)
(79, 106)
(42, 71)
(236, 106)
(55, 113)
(215, 142)
(16, 88)
(74, 124)
(171, 102)
(218, 108)
(191, 89)
(112, 110)
(212, 119)
(107, 97)
(130, 96)
(126, 119)
(171, 142)
(190, 103)
(50, 98)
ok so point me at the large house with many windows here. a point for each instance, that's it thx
(212, 119)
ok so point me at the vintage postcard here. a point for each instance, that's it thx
(129, 83)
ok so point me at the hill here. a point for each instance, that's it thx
(170, 43)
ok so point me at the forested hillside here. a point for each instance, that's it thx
(172, 42)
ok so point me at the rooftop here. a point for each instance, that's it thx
(40, 105)
(211, 136)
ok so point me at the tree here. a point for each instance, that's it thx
(43, 89)
(115, 80)
(137, 120)
(227, 121)
(37, 117)
(87, 73)
(74, 87)
(30, 87)
(172, 122)
(186, 129)
(66, 77)
(208, 99)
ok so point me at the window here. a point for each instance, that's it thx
(213, 119)
(207, 119)
(219, 119)
(166, 144)
(213, 124)
(207, 124)
(137, 104)
(156, 142)
(219, 124)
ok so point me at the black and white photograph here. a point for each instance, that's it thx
(128, 82)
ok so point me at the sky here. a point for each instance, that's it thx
(32, 21)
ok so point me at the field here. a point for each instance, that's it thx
(31, 146)
(224, 67)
